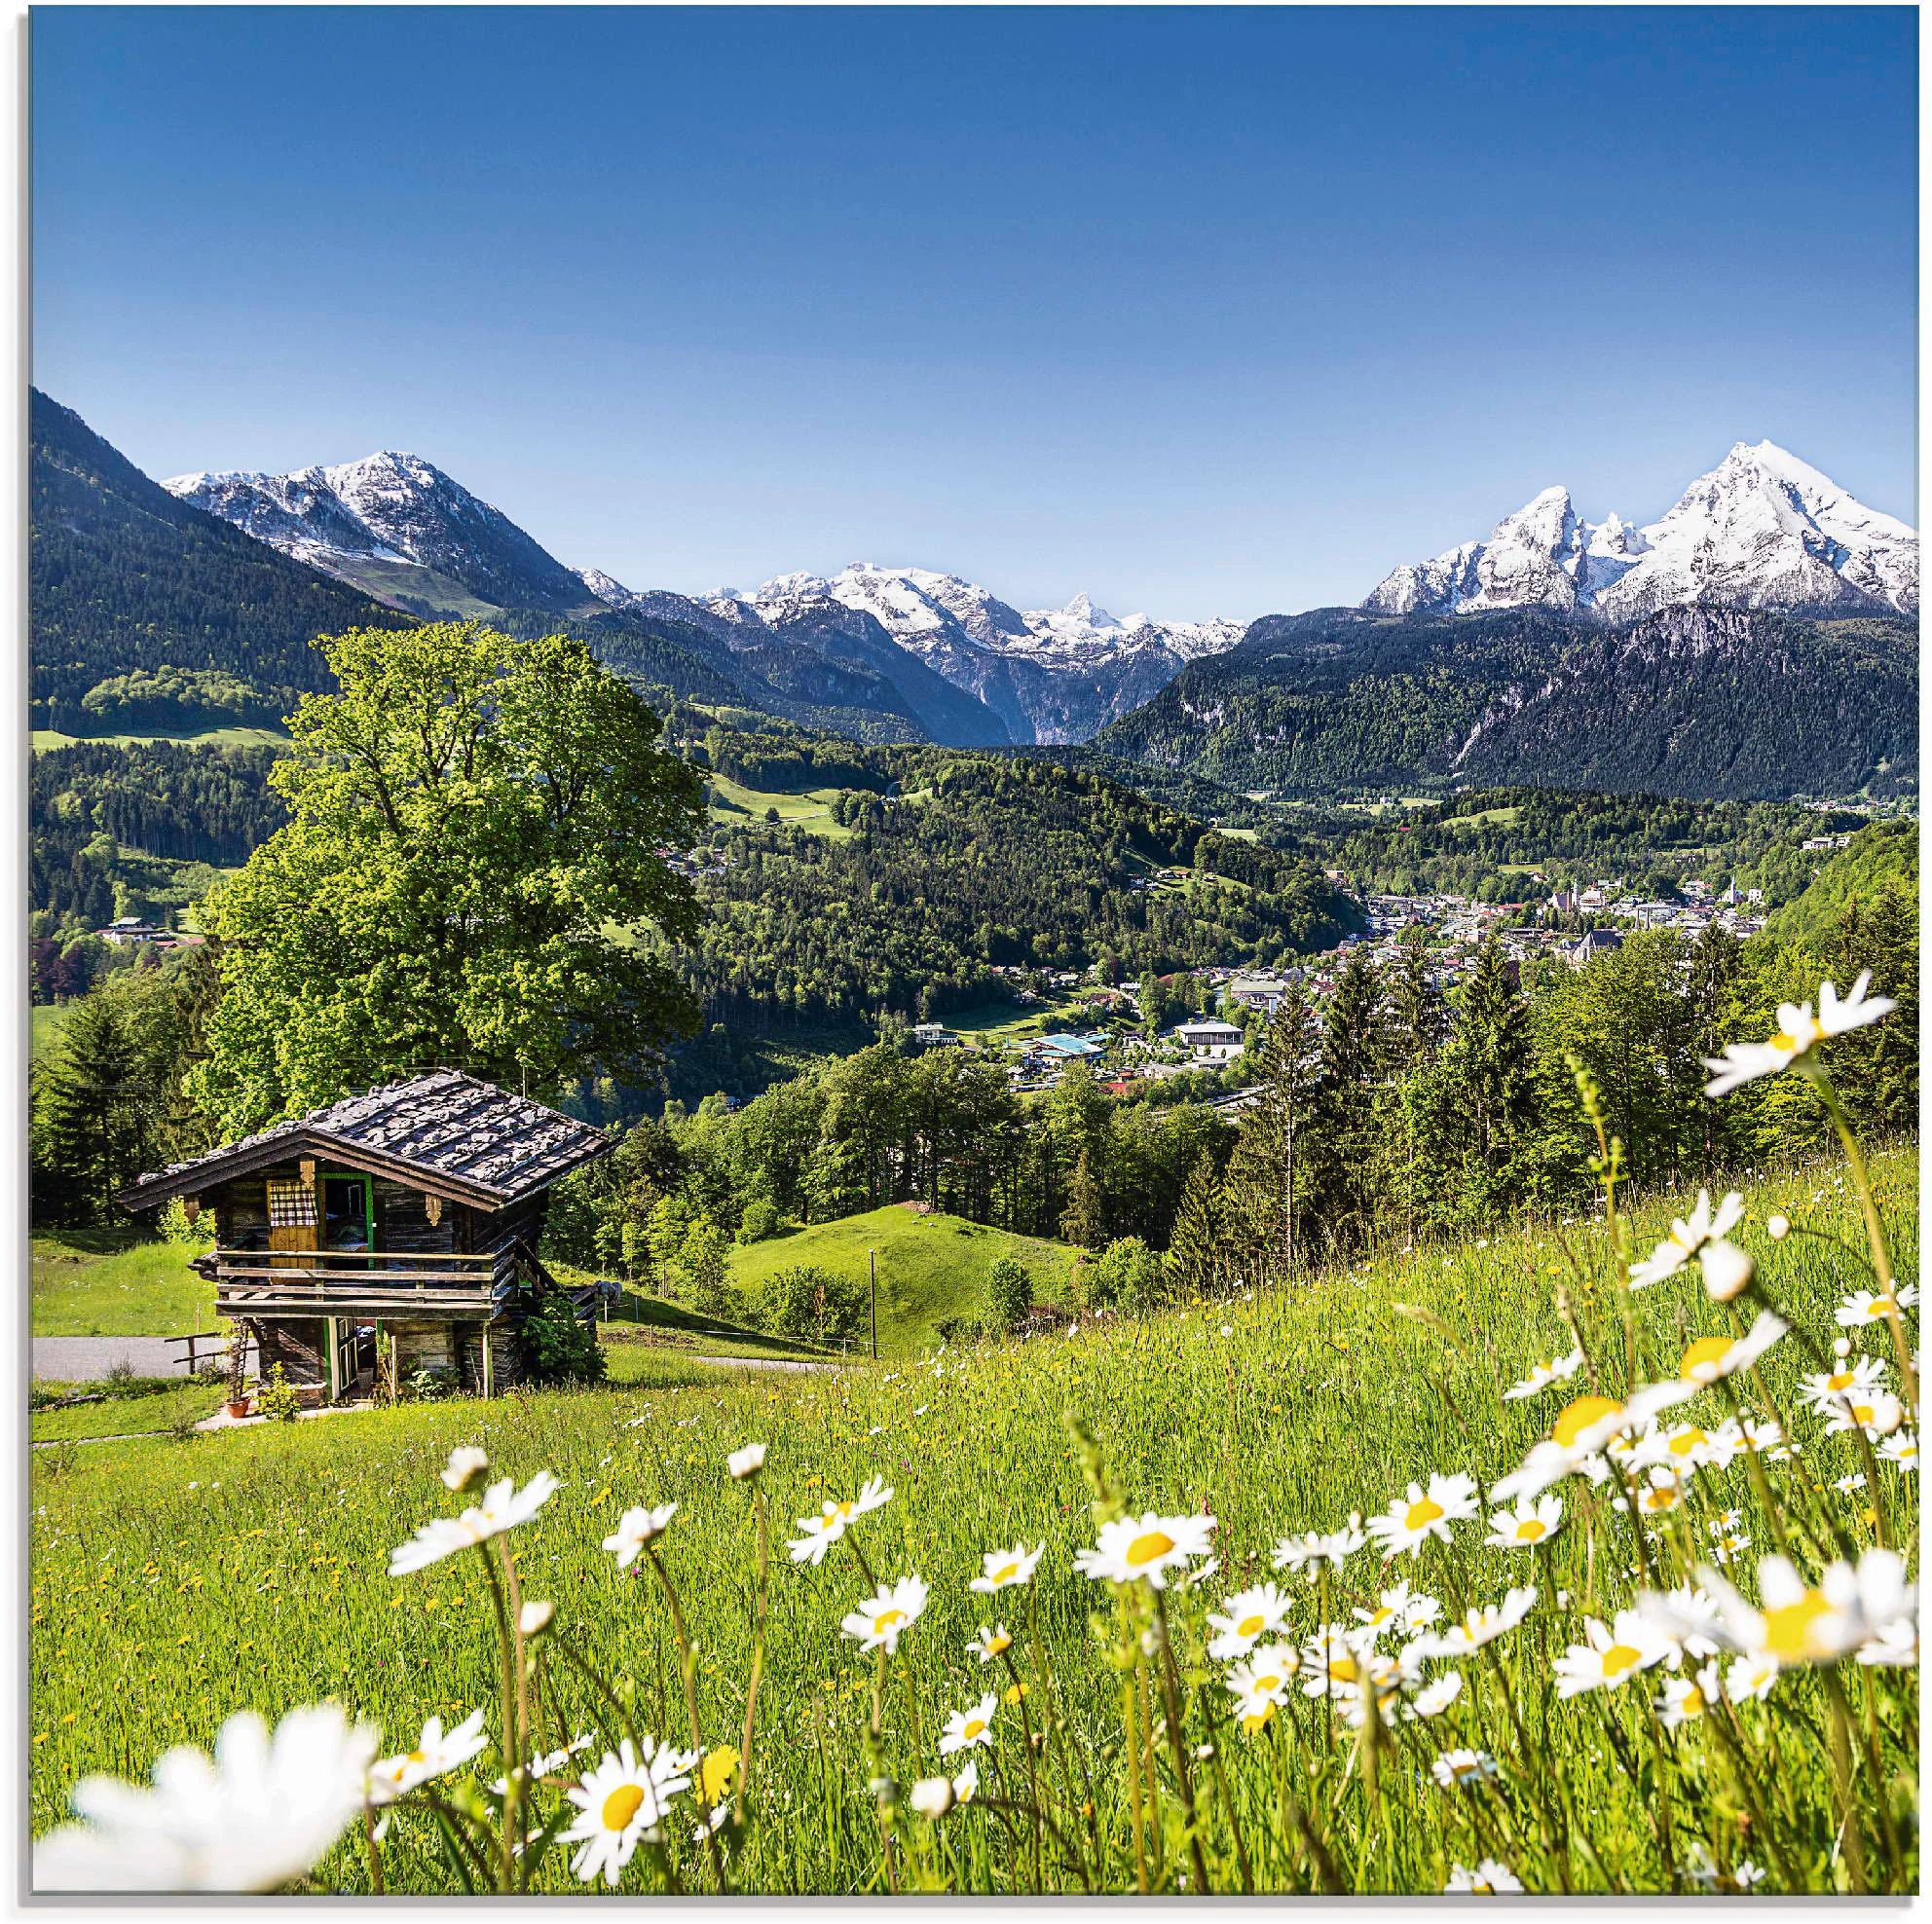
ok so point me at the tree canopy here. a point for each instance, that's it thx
(469, 877)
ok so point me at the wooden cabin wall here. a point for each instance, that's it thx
(241, 1209)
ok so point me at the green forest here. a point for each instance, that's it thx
(1701, 701)
(1476, 843)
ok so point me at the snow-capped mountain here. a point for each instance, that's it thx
(1049, 675)
(395, 526)
(1761, 529)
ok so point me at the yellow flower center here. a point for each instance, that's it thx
(1861, 1413)
(1619, 1658)
(1579, 1416)
(621, 1806)
(1704, 1355)
(1254, 1719)
(888, 1620)
(1004, 1573)
(1786, 1043)
(1681, 1445)
(1694, 1702)
(1788, 1630)
(1145, 1549)
(1662, 1498)
(1342, 1668)
(974, 1727)
(1843, 1379)
(1272, 1682)
(1530, 1528)
(1881, 1305)
(1424, 1513)
(1251, 1626)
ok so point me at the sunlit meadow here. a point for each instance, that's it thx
(1553, 1686)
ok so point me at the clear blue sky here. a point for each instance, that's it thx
(1201, 310)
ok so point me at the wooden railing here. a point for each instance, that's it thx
(380, 1282)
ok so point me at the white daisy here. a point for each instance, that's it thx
(1146, 1548)
(622, 1803)
(1488, 1879)
(1751, 1677)
(967, 1727)
(1542, 1375)
(500, 1509)
(932, 1796)
(1611, 1655)
(1243, 1619)
(435, 1754)
(1266, 1677)
(1530, 1523)
(1482, 1625)
(1854, 1381)
(465, 1465)
(1687, 1237)
(823, 1531)
(1581, 1431)
(989, 1643)
(1862, 1306)
(1798, 1623)
(263, 1812)
(1878, 1415)
(1006, 1568)
(880, 1622)
(746, 1462)
(1687, 1699)
(1712, 1357)
(1411, 1521)
(1799, 1031)
(637, 1527)
(1434, 1698)
(1465, 1770)
(1902, 1451)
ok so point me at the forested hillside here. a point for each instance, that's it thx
(1694, 701)
(167, 617)
(951, 862)
(1878, 861)
(1477, 843)
(93, 804)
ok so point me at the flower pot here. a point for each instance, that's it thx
(238, 1406)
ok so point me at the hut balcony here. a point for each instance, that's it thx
(372, 1285)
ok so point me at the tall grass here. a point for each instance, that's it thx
(172, 1584)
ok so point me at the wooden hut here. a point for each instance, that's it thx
(413, 1208)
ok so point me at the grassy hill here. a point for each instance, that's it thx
(1884, 856)
(930, 1265)
(175, 1582)
(98, 1283)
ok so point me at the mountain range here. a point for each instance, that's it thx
(1761, 530)
(1749, 641)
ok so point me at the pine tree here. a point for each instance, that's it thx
(1351, 1058)
(93, 1112)
(1267, 1191)
(1486, 1110)
(1195, 1257)
(1082, 1221)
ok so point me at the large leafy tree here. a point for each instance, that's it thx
(470, 878)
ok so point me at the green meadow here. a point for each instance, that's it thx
(175, 1582)
(931, 1266)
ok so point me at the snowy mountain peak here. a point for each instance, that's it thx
(395, 524)
(1763, 529)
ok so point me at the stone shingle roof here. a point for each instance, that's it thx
(448, 1131)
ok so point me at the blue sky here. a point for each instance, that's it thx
(1201, 310)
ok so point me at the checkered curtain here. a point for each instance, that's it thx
(291, 1204)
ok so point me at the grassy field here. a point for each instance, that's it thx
(173, 1583)
(809, 809)
(155, 1408)
(998, 1022)
(930, 1265)
(85, 1283)
(43, 1025)
(204, 738)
